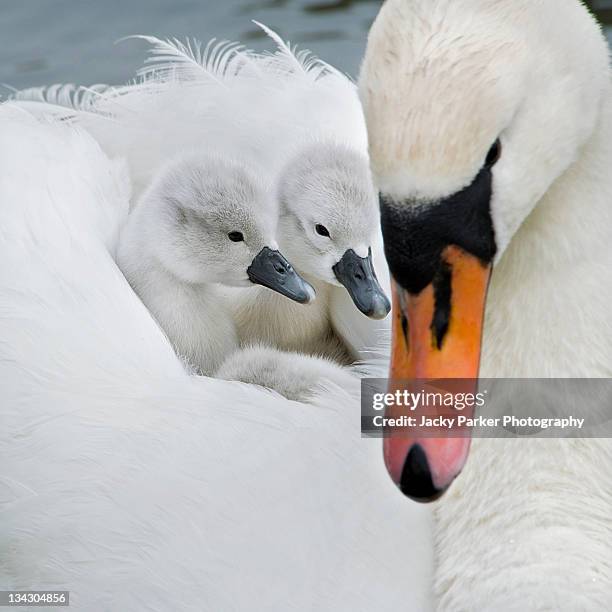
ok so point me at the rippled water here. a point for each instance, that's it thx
(47, 41)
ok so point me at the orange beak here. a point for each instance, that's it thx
(436, 335)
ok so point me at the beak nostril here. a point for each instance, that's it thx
(405, 328)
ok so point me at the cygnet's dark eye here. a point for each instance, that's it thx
(494, 154)
(235, 236)
(322, 230)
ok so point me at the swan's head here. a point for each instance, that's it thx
(328, 220)
(474, 110)
(212, 220)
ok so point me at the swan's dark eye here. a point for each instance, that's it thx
(235, 236)
(494, 154)
(322, 230)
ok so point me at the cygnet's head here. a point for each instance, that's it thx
(212, 220)
(328, 220)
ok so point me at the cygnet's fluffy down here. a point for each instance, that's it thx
(292, 375)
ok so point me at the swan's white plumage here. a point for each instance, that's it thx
(526, 526)
(136, 486)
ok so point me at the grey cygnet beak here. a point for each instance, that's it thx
(270, 269)
(358, 276)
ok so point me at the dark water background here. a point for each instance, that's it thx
(49, 41)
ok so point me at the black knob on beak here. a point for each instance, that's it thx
(416, 482)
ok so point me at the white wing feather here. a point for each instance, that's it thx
(189, 60)
(290, 60)
(68, 95)
(61, 100)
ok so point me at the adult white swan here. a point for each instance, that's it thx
(491, 140)
(136, 486)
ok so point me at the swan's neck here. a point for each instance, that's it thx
(548, 303)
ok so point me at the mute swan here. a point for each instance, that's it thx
(301, 121)
(204, 220)
(491, 139)
(136, 486)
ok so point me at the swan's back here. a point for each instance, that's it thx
(132, 484)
